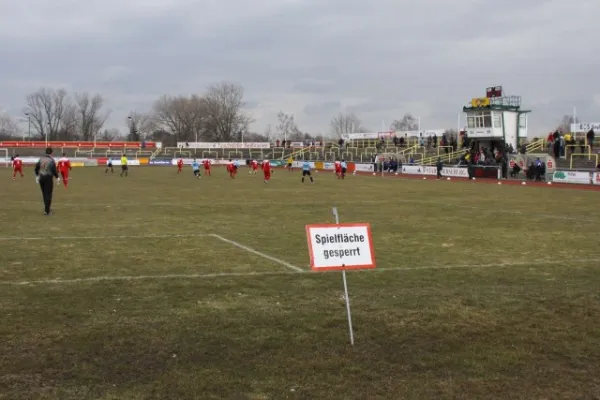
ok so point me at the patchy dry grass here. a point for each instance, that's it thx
(481, 292)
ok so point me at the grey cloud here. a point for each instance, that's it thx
(328, 108)
(296, 55)
(313, 86)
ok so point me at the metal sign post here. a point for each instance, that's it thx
(346, 297)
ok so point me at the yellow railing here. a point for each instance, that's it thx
(143, 153)
(409, 150)
(155, 153)
(444, 157)
(450, 150)
(588, 149)
(297, 153)
(536, 145)
(182, 153)
(210, 154)
(590, 157)
(87, 153)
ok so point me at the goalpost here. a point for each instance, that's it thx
(4, 158)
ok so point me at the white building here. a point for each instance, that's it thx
(496, 119)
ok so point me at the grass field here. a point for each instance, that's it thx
(160, 286)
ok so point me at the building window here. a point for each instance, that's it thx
(497, 118)
(523, 121)
(478, 120)
(487, 120)
(471, 122)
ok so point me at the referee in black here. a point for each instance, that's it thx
(45, 170)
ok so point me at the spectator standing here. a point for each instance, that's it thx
(590, 138)
(440, 167)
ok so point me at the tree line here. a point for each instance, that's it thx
(217, 115)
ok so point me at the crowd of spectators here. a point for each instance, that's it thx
(563, 144)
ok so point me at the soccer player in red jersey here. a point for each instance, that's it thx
(180, 165)
(338, 168)
(206, 164)
(231, 169)
(266, 167)
(254, 167)
(17, 165)
(64, 166)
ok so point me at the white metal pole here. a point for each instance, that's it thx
(346, 297)
(419, 124)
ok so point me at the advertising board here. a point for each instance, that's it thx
(572, 177)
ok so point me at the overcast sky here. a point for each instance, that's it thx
(312, 58)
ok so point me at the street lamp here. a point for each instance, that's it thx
(130, 125)
(29, 122)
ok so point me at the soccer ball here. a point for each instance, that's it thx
(424, 178)
(448, 179)
(499, 183)
(549, 183)
(396, 173)
(523, 183)
(374, 173)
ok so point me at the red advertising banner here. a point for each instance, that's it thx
(80, 145)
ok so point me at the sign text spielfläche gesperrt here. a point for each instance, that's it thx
(338, 238)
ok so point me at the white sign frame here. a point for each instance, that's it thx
(317, 261)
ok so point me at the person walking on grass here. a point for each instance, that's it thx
(45, 171)
(124, 166)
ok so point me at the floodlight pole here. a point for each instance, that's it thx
(346, 297)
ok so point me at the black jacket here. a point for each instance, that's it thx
(46, 168)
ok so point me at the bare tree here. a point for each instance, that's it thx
(343, 124)
(46, 109)
(182, 116)
(90, 117)
(225, 119)
(406, 123)
(565, 123)
(8, 127)
(286, 126)
(109, 135)
(68, 128)
(140, 126)
(256, 137)
(268, 133)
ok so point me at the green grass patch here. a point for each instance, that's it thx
(482, 291)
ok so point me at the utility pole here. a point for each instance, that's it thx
(29, 122)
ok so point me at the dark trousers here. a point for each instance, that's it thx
(47, 186)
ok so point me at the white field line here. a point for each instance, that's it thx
(219, 237)
(258, 253)
(301, 272)
(106, 237)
